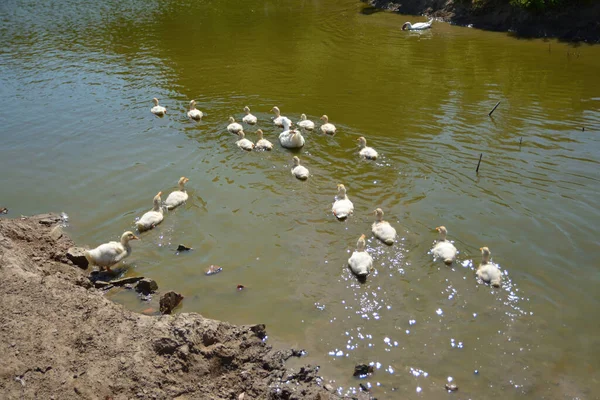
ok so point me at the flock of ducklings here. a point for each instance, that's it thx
(360, 262)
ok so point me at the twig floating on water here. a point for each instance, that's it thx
(494, 109)
(520, 141)
(477, 170)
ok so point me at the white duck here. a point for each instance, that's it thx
(158, 110)
(244, 143)
(342, 207)
(419, 26)
(298, 170)
(262, 143)
(233, 126)
(306, 123)
(249, 118)
(153, 217)
(443, 249)
(290, 139)
(194, 113)
(366, 152)
(108, 254)
(327, 127)
(278, 119)
(360, 261)
(382, 229)
(487, 270)
(177, 197)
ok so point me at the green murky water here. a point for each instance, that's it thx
(77, 79)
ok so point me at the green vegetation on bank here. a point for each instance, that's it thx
(533, 5)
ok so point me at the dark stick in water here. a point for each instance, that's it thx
(477, 170)
(494, 109)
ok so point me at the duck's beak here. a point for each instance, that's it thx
(135, 238)
(437, 228)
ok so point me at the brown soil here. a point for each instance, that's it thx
(62, 339)
(575, 23)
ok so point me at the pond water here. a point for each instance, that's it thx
(78, 78)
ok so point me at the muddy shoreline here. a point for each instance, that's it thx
(572, 24)
(62, 339)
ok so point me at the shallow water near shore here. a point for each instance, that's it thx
(77, 136)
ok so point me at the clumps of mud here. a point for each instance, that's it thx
(61, 338)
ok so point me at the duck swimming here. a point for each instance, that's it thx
(194, 113)
(158, 110)
(366, 152)
(443, 249)
(298, 170)
(290, 139)
(327, 127)
(244, 143)
(153, 217)
(342, 207)
(177, 197)
(487, 270)
(108, 254)
(278, 119)
(249, 118)
(360, 262)
(419, 26)
(233, 126)
(382, 229)
(262, 143)
(306, 123)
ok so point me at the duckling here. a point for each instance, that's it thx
(382, 229)
(278, 119)
(361, 262)
(306, 123)
(158, 110)
(443, 249)
(290, 139)
(327, 127)
(244, 143)
(366, 152)
(108, 254)
(249, 118)
(153, 217)
(262, 143)
(298, 170)
(342, 207)
(233, 126)
(194, 113)
(487, 270)
(177, 197)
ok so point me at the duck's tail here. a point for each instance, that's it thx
(448, 261)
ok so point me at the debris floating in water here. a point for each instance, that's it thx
(477, 169)
(213, 269)
(494, 109)
(451, 387)
(182, 247)
(240, 287)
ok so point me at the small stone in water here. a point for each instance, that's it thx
(451, 387)
(240, 287)
(183, 248)
(363, 370)
(213, 269)
(363, 387)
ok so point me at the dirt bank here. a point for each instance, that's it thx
(61, 339)
(575, 23)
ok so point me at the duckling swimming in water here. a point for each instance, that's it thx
(487, 270)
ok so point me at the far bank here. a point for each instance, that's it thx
(574, 23)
